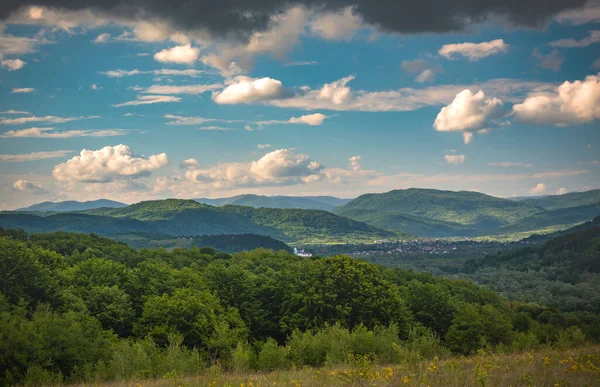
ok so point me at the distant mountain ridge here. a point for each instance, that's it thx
(72, 205)
(435, 213)
(176, 217)
(326, 203)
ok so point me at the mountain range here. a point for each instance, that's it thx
(72, 205)
(326, 203)
(417, 212)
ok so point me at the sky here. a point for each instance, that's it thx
(129, 101)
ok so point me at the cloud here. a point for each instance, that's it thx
(185, 54)
(12, 64)
(596, 64)
(562, 191)
(594, 37)
(571, 103)
(354, 162)
(538, 189)
(474, 51)
(301, 63)
(467, 113)
(240, 18)
(339, 96)
(279, 167)
(11, 111)
(102, 38)
(48, 119)
(455, 159)
(590, 13)
(166, 72)
(95, 86)
(337, 25)
(217, 128)
(49, 133)
(33, 156)
(427, 72)
(552, 61)
(508, 164)
(22, 90)
(149, 99)
(315, 119)
(248, 90)
(186, 89)
(282, 34)
(191, 120)
(264, 146)
(108, 164)
(26, 186)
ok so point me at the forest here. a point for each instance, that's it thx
(79, 308)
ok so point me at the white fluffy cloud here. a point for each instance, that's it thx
(28, 187)
(247, 90)
(279, 167)
(185, 54)
(538, 189)
(455, 159)
(474, 51)
(467, 113)
(354, 162)
(12, 64)
(36, 132)
(339, 96)
(22, 90)
(570, 104)
(594, 37)
(314, 119)
(185, 89)
(340, 25)
(102, 38)
(33, 156)
(108, 164)
(149, 99)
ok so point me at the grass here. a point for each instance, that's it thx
(550, 367)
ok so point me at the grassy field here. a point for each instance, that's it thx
(552, 367)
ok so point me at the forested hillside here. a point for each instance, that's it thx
(80, 308)
(189, 218)
(71, 205)
(434, 213)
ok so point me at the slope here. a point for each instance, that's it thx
(72, 205)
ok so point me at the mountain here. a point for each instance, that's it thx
(561, 217)
(71, 205)
(471, 210)
(326, 203)
(233, 243)
(572, 199)
(173, 217)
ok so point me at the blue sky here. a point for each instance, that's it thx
(319, 102)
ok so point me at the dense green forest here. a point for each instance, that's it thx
(562, 270)
(82, 308)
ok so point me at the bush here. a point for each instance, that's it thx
(271, 356)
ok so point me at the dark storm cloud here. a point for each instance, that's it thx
(241, 17)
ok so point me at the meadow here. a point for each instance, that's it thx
(546, 367)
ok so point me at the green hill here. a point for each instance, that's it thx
(326, 203)
(71, 205)
(173, 217)
(563, 217)
(572, 199)
(472, 210)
